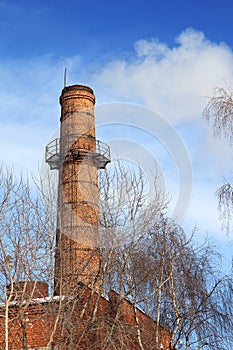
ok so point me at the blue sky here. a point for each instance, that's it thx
(103, 28)
(163, 55)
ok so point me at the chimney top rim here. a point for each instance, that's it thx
(77, 87)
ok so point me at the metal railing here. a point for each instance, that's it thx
(54, 157)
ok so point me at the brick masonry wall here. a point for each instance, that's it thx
(77, 248)
(88, 321)
(28, 290)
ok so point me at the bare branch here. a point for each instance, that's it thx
(225, 205)
(219, 113)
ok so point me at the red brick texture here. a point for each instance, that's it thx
(77, 247)
(86, 321)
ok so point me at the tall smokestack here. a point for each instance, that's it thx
(77, 156)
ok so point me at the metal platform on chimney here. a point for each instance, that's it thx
(55, 159)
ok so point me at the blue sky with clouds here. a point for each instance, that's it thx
(164, 55)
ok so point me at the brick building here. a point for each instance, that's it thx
(78, 315)
(61, 323)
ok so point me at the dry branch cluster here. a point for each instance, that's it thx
(219, 114)
(148, 266)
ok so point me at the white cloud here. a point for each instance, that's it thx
(176, 81)
(151, 48)
(173, 80)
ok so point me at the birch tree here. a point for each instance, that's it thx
(219, 114)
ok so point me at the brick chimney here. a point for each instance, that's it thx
(77, 156)
(28, 290)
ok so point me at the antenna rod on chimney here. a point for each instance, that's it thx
(65, 72)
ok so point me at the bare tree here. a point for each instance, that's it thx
(161, 270)
(219, 114)
(177, 285)
(26, 251)
(148, 266)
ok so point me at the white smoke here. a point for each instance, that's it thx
(172, 80)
